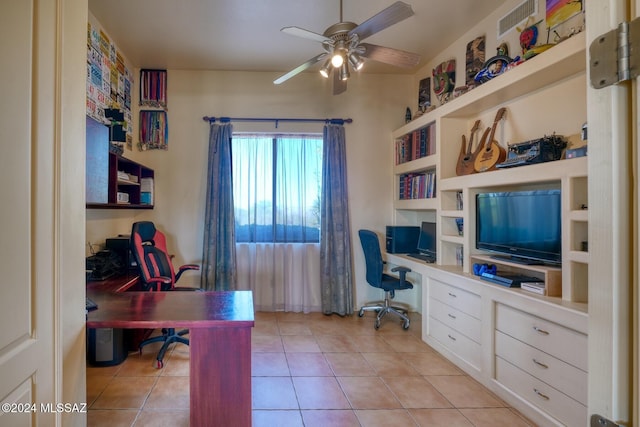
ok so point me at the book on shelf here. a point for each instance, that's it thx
(420, 185)
(415, 145)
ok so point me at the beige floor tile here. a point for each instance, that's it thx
(262, 316)
(430, 363)
(371, 344)
(269, 365)
(300, 343)
(385, 418)
(464, 392)
(273, 393)
(169, 393)
(293, 328)
(266, 343)
(308, 365)
(102, 371)
(111, 417)
(319, 393)
(349, 365)
(277, 418)
(140, 365)
(125, 393)
(494, 417)
(440, 418)
(266, 327)
(336, 344)
(176, 364)
(95, 386)
(162, 418)
(416, 392)
(389, 364)
(333, 418)
(368, 393)
(407, 343)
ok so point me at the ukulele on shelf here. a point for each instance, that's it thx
(467, 157)
(492, 153)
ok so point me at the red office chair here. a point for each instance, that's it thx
(157, 275)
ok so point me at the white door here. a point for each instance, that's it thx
(612, 241)
(41, 286)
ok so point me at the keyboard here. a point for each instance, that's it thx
(422, 257)
(91, 305)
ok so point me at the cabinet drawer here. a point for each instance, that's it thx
(457, 343)
(545, 397)
(462, 300)
(563, 343)
(455, 319)
(558, 374)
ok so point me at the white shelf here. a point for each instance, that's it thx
(416, 204)
(451, 214)
(421, 164)
(458, 240)
(541, 172)
(579, 256)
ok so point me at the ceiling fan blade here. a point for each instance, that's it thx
(305, 34)
(339, 86)
(300, 68)
(391, 56)
(386, 18)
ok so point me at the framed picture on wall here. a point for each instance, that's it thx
(424, 94)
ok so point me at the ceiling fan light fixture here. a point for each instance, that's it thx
(337, 59)
(356, 62)
(344, 71)
(326, 69)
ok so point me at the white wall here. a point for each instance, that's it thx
(375, 102)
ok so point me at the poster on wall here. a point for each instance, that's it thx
(424, 94)
(559, 11)
(109, 80)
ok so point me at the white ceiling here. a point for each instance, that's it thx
(244, 35)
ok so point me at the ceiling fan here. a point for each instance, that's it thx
(343, 46)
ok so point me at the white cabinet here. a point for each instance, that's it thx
(543, 363)
(455, 321)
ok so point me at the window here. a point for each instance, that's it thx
(276, 187)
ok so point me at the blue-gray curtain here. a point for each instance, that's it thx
(219, 248)
(335, 240)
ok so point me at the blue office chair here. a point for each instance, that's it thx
(157, 274)
(378, 279)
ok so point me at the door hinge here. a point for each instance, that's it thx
(600, 421)
(614, 56)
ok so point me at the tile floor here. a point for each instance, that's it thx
(310, 370)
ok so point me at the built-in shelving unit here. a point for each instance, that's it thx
(552, 76)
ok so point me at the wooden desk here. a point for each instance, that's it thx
(219, 326)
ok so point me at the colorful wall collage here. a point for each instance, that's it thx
(109, 80)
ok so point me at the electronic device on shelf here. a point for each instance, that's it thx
(426, 243)
(91, 305)
(401, 239)
(525, 225)
(509, 280)
(545, 149)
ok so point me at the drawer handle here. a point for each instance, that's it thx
(540, 364)
(453, 295)
(542, 395)
(452, 338)
(540, 331)
(451, 316)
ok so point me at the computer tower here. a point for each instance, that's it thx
(402, 239)
(106, 346)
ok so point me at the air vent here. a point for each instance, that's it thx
(516, 16)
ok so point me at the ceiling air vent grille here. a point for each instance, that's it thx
(516, 16)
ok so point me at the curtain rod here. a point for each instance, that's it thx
(275, 120)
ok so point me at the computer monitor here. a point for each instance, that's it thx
(427, 239)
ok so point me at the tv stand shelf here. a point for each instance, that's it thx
(552, 276)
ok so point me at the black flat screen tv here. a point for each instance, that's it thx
(522, 226)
